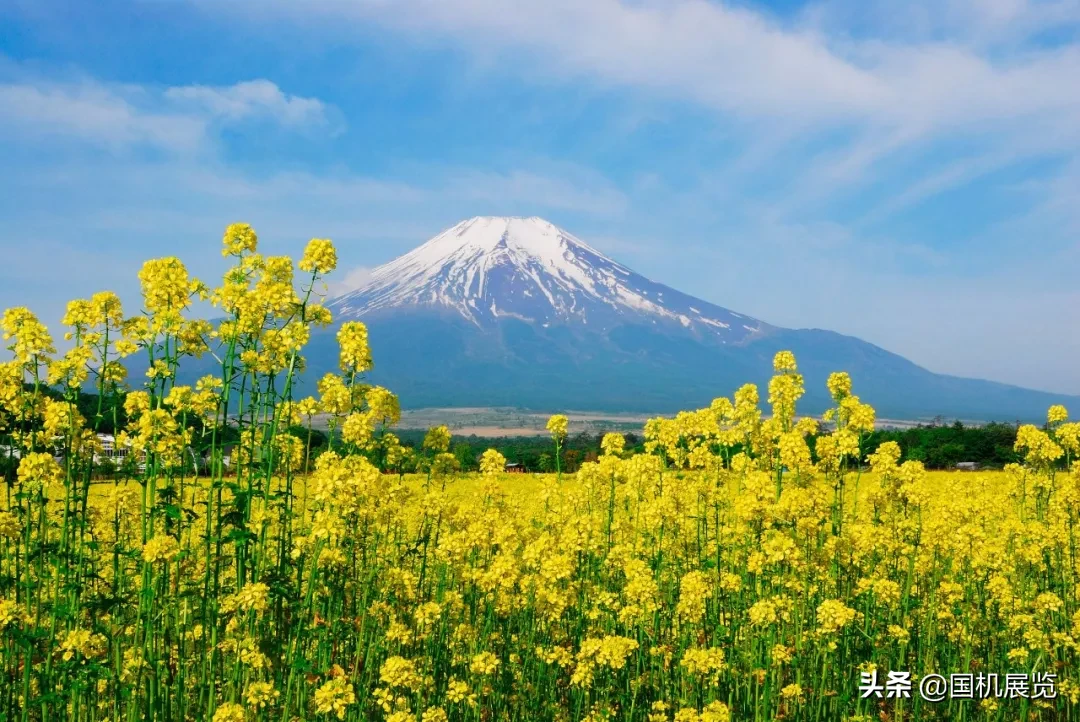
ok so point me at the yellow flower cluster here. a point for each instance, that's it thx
(355, 352)
(240, 238)
(161, 548)
(437, 439)
(557, 427)
(492, 462)
(743, 567)
(31, 338)
(319, 257)
(335, 697)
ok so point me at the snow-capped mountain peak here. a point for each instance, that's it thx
(488, 268)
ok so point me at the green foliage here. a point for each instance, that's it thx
(938, 446)
(943, 446)
(534, 453)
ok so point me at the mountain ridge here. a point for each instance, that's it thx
(491, 267)
(514, 311)
(450, 325)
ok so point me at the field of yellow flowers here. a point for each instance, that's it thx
(728, 573)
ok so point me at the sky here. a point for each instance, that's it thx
(904, 172)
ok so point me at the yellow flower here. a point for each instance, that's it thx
(457, 691)
(557, 426)
(784, 361)
(11, 613)
(492, 462)
(307, 407)
(107, 309)
(79, 313)
(261, 694)
(359, 428)
(336, 397)
(484, 664)
(704, 663)
(1056, 414)
(166, 290)
(355, 352)
(239, 238)
(84, 644)
(318, 315)
(161, 548)
(1068, 437)
(694, 591)
(781, 655)
(334, 697)
(434, 714)
(1041, 449)
(715, 711)
(444, 464)
(614, 650)
(763, 613)
(399, 672)
(855, 415)
(833, 615)
(794, 453)
(252, 598)
(32, 339)
(229, 712)
(839, 385)
(885, 458)
(384, 406)
(437, 439)
(613, 444)
(901, 635)
(10, 526)
(319, 257)
(37, 471)
(136, 403)
(784, 390)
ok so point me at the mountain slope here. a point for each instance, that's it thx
(490, 269)
(516, 312)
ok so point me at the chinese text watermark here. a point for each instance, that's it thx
(937, 687)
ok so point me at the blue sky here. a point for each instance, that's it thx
(908, 173)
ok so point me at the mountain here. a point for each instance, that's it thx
(517, 312)
(488, 270)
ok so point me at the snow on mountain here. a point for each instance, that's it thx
(490, 268)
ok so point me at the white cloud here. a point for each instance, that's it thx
(93, 112)
(254, 98)
(980, 23)
(350, 281)
(738, 61)
(726, 58)
(889, 79)
(119, 116)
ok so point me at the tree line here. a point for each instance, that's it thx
(937, 445)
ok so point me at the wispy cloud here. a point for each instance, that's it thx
(92, 112)
(979, 23)
(350, 280)
(737, 60)
(250, 99)
(121, 116)
(864, 84)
